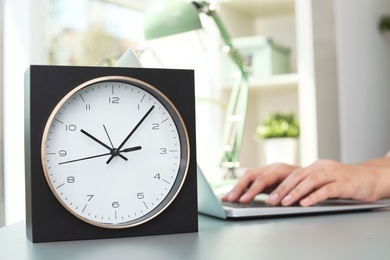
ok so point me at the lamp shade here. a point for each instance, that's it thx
(169, 17)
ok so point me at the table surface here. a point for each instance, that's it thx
(359, 235)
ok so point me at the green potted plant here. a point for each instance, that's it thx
(279, 132)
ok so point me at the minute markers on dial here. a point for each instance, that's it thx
(82, 98)
(146, 206)
(60, 186)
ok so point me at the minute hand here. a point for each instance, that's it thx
(131, 133)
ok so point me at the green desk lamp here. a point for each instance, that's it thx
(169, 17)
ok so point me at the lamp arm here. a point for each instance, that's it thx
(234, 125)
(237, 107)
(238, 59)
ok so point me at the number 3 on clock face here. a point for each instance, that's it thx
(115, 152)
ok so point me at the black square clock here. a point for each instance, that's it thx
(109, 152)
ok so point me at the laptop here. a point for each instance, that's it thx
(210, 204)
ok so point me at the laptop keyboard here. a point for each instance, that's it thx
(252, 204)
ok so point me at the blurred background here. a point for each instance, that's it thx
(325, 61)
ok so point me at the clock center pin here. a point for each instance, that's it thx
(115, 152)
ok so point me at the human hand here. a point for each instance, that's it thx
(309, 185)
(257, 180)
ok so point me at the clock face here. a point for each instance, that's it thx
(115, 152)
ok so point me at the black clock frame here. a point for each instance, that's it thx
(46, 219)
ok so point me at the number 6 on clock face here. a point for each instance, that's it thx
(115, 152)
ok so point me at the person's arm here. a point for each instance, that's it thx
(378, 162)
(323, 179)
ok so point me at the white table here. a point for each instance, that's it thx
(360, 235)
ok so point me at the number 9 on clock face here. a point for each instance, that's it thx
(115, 152)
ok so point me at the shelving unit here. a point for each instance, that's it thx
(260, 7)
(276, 82)
(274, 19)
(300, 25)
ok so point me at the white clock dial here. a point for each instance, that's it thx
(115, 152)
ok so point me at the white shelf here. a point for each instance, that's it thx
(292, 23)
(276, 82)
(257, 8)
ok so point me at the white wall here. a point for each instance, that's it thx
(316, 63)
(364, 79)
(2, 215)
(22, 47)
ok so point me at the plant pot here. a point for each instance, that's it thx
(282, 150)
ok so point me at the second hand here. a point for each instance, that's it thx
(131, 149)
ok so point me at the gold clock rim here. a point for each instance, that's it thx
(57, 108)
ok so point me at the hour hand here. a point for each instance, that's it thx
(101, 143)
(131, 149)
